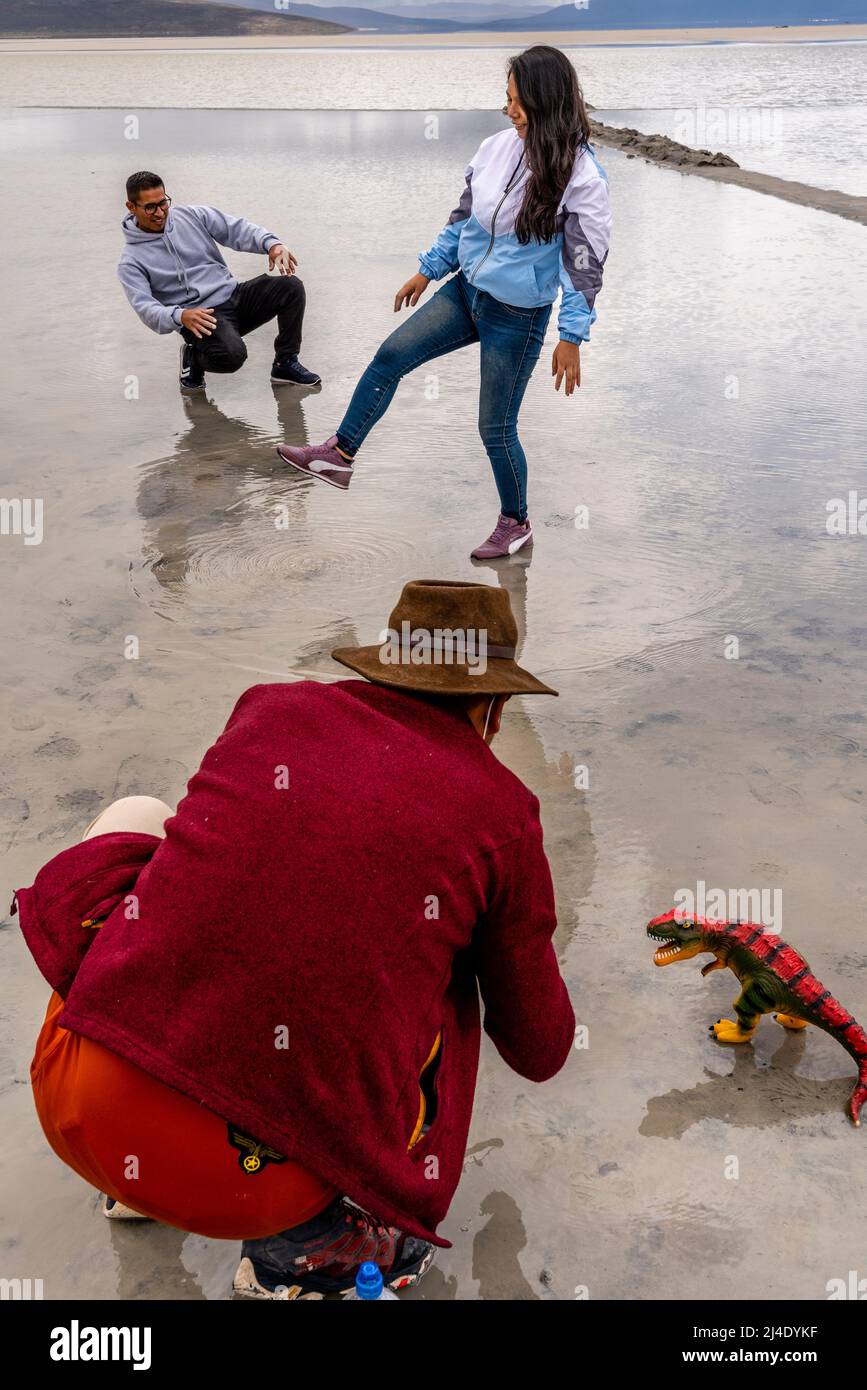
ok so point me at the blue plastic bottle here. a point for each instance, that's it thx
(369, 1286)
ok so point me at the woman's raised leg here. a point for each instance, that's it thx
(438, 327)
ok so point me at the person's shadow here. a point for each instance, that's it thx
(568, 828)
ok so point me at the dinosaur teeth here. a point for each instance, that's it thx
(668, 950)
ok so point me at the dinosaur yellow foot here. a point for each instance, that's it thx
(729, 1031)
(788, 1021)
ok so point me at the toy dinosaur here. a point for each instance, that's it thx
(773, 976)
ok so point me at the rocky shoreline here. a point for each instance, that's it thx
(661, 149)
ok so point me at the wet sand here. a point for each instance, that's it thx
(721, 408)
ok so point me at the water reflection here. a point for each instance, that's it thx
(194, 497)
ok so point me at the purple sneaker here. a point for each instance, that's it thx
(507, 536)
(322, 461)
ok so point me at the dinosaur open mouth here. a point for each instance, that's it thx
(667, 951)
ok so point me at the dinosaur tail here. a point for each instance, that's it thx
(859, 1094)
(829, 1014)
(854, 1039)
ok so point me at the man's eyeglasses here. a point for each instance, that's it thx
(150, 208)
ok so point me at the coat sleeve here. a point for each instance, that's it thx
(528, 1015)
(162, 318)
(73, 894)
(586, 235)
(235, 232)
(442, 258)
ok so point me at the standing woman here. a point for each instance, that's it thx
(533, 219)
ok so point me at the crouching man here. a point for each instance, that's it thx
(265, 1020)
(176, 279)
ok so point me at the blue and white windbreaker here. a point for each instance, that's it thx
(479, 237)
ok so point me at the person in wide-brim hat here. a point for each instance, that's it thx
(434, 624)
(289, 995)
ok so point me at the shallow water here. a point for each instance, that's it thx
(431, 76)
(722, 407)
(794, 110)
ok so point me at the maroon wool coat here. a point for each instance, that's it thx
(352, 864)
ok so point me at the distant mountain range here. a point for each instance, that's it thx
(619, 14)
(688, 14)
(355, 17)
(438, 17)
(78, 19)
(200, 18)
(462, 10)
(599, 14)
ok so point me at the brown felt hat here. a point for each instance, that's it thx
(450, 638)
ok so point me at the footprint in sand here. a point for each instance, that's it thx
(58, 748)
(140, 775)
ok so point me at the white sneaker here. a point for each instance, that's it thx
(116, 1211)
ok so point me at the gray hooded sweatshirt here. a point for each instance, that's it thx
(181, 267)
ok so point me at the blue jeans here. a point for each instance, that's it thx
(456, 315)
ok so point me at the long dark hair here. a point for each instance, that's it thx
(558, 125)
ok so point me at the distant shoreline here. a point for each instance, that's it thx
(570, 38)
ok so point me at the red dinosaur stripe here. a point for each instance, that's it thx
(789, 964)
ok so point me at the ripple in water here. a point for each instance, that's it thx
(246, 560)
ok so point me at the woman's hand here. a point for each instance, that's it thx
(410, 293)
(566, 363)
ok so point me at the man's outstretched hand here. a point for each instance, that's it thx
(410, 293)
(566, 362)
(282, 257)
(200, 322)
